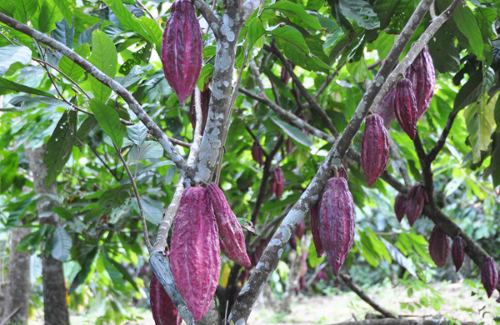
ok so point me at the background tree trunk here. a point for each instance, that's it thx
(18, 286)
(54, 289)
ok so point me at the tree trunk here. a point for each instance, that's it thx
(18, 286)
(54, 289)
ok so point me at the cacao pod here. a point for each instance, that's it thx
(386, 107)
(342, 172)
(439, 246)
(232, 239)
(300, 229)
(400, 206)
(205, 103)
(489, 275)
(181, 54)
(415, 203)
(315, 229)
(405, 107)
(458, 252)
(337, 216)
(422, 76)
(374, 148)
(195, 250)
(257, 153)
(285, 76)
(278, 184)
(164, 311)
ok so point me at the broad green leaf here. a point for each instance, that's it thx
(61, 244)
(7, 86)
(48, 16)
(104, 57)
(25, 10)
(297, 14)
(146, 150)
(292, 132)
(254, 30)
(467, 24)
(292, 37)
(8, 169)
(361, 12)
(67, 8)
(153, 210)
(109, 120)
(137, 133)
(59, 145)
(12, 54)
(70, 68)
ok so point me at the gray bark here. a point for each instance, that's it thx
(54, 288)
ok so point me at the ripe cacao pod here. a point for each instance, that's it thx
(315, 229)
(337, 216)
(439, 247)
(285, 76)
(400, 206)
(405, 107)
(232, 239)
(278, 184)
(374, 148)
(164, 311)
(205, 103)
(386, 107)
(257, 153)
(422, 76)
(195, 250)
(458, 252)
(489, 275)
(415, 203)
(181, 54)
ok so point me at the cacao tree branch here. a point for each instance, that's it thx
(103, 78)
(210, 16)
(272, 253)
(444, 135)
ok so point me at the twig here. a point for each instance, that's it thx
(138, 198)
(442, 139)
(146, 10)
(210, 16)
(94, 151)
(6, 319)
(111, 83)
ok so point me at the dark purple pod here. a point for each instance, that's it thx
(405, 107)
(374, 148)
(257, 153)
(458, 252)
(315, 229)
(278, 184)
(439, 246)
(423, 78)
(162, 308)
(400, 206)
(181, 54)
(386, 108)
(489, 275)
(415, 203)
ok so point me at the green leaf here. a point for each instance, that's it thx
(109, 120)
(146, 150)
(7, 86)
(8, 169)
(292, 37)
(254, 30)
(480, 120)
(70, 68)
(48, 16)
(59, 145)
(104, 57)
(11, 54)
(25, 9)
(67, 8)
(153, 210)
(292, 132)
(361, 12)
(61, 244)
(297, 14)
(466, 23)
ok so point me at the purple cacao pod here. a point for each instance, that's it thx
(489, 275)
(257, 153)
(285, 76)
(205, 103)
(195, 250)
(386, 108)
(439, 247)
(232, 239)
(458, 252)
(182, 49)
(278, 184)
(422, 76)
(405, 107)
(337, 216)
(415, 203)
(300, 229)
(400, 206)
(342, 172)
(164, 311)
(315, 229)
(374, 148)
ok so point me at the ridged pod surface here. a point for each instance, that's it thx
(182, 49)
(489, 275)
(164, 311)
(386, 107)
(405, 107)
(195, 250)
(458, 252)
(205, 103)
(278, 184)
(415, 203)
(439, 246)
(337, 216)
(232, 239)
(315, 229)
(423, 78)
(400, 206)
(257, 153)
(374, 148)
